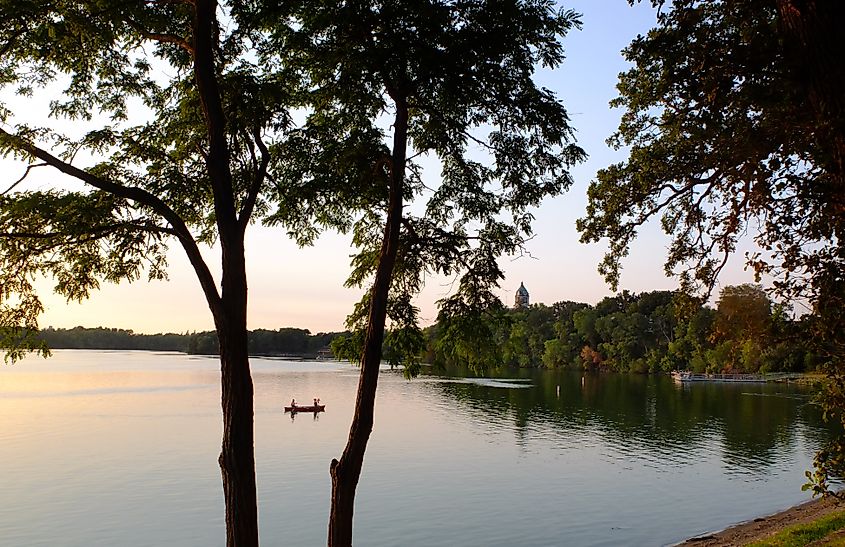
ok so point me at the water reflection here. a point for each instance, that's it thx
(95, 446)
(650, 418)
(315, 417)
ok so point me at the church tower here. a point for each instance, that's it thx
(521, 299)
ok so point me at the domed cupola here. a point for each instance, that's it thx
(521, 298)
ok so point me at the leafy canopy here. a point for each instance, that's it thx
(734, 119)
(721, 143)
(463, 69)
(124, 94)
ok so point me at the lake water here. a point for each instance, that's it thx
(120, 448)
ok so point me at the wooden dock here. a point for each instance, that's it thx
(687, 376)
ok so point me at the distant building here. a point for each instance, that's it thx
(521, 298)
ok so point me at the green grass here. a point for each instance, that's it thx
(804, 534)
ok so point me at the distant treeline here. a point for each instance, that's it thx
(648, 332)
(286, 341)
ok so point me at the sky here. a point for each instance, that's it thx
(293, 287)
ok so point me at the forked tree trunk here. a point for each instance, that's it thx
(346, 471)
(237, 456)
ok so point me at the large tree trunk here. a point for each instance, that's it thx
(346, 471)
(237, 456)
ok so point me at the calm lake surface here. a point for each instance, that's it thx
(120, 448)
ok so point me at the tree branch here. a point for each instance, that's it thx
(96, 230)
(168, 39)
(257, 182)
(10, 43)
(138, 195)
(676, 193)
(25, 174)
(160, 37)
(177, 2)
(205, 75)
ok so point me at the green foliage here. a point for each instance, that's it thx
(463, 71)
(18, 341)
(404, 347)
(734, 122)
(656, 331)
(720, 142)
(810, 533)
(175, 124)
(349, 348)
(124, 73)
(104, 338)
(284, 341)
(744, 309)
(78, 240)
(743, 328)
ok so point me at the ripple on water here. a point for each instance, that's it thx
(606, 460)
(505, 383)
(99, 391)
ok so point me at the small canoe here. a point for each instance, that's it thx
(312, 408)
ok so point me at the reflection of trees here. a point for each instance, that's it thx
(749, 423)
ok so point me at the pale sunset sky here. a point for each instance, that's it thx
(304, 287)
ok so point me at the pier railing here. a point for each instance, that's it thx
(685, 376)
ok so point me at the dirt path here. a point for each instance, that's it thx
(759, 528)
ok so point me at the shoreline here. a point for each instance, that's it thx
(759, 528)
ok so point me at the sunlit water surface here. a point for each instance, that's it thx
(120, 448)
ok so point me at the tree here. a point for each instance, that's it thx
(177, 118)
(743, 325)
(735, 121)
(450, 76)
(743, 311)
(474, 340)
(566, 347)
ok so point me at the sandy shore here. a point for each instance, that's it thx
(759, 528)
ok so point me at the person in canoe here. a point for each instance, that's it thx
(316, 402)
(293, 403)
